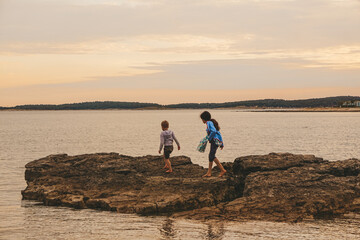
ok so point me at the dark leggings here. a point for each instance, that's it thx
(213, 149)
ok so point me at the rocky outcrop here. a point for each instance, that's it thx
(276, 187)
(287, 187)
(125, 184)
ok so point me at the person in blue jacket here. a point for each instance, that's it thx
(215, 139)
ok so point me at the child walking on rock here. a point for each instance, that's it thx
(166, 140)
(215, 139)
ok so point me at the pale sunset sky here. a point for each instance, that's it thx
(175, 51)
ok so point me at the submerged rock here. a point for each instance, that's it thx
(276, 187)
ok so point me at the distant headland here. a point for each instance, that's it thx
(313, 104)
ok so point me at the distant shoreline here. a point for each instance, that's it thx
(309, 110)
(328, 104)
(240, 109)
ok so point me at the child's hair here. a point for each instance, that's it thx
(206, 116)
(165, 124)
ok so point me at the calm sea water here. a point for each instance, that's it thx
(29, 135)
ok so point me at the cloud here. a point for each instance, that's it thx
(276, 23)
(235, 74)
(144, 43)
(76, 27)
(222, 75)
(185, 45)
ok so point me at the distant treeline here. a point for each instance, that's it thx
(273, 103)
(265, 103)
(87, 106)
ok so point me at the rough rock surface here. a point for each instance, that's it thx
(125, 184)
(287, 187)
(276, 187)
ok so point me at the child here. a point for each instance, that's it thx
(166, 139)
(215, 140)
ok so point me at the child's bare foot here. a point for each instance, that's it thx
(207, 175)
(169, 171)
(222, 173)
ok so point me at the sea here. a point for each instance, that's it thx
(29, 135)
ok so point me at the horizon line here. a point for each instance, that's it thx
(109, 101)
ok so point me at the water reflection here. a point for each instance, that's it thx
(167, 229)
(215, 231)
(175, 229)
(42, 222)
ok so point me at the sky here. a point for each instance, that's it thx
(177, 51)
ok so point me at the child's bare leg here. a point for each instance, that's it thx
(166, 166)
(208, 174)
(168, 163)
(222, 170)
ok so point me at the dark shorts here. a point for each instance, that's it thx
(213, 148)
(167, 151)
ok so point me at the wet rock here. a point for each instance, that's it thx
(275, 187)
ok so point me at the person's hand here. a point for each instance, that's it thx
(221, 147)
(178, 147)
(160, 151)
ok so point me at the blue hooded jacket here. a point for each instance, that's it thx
(213, 133)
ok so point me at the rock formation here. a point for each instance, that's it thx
(275, 187)
(125, 184)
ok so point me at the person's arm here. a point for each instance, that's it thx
(177, 142)
(162, 140)
(212, 130)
